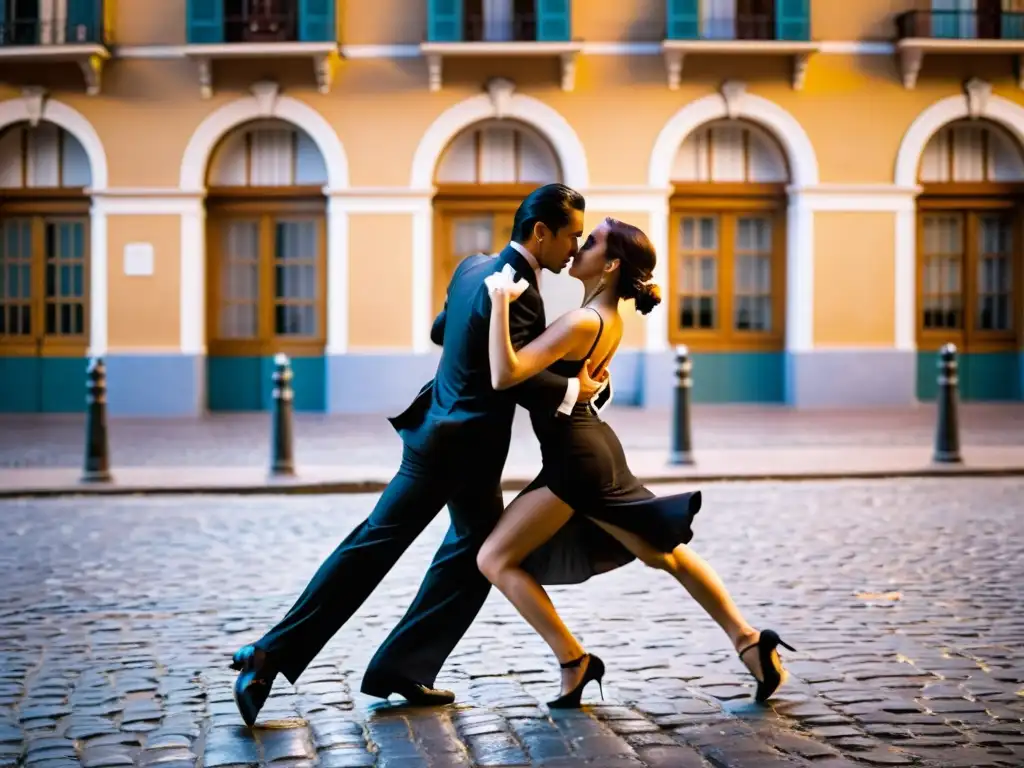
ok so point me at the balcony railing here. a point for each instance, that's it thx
(262, 28)
(745, 27)
(261, 21)
(960, 25)
(52, 32)
(481, 29)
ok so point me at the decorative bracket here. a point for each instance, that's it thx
(35, 102)
(568, 70)
(977, 92)
(92, 69)
(733, 93)
(205, 77)
(674, 65)
(910, 66)
(324, 67)
(266, 93)
(800, 61)
(434, 66)
(500, 90)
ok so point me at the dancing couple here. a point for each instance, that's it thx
(583, 515)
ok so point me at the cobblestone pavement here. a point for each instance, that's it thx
(904, 599)
(236, 440)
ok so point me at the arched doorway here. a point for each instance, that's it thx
(44, 268)
(727, 271)
(481, 178)
(266, 266)
(969, 258)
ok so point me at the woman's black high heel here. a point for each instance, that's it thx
(773, 674)
(594, 671)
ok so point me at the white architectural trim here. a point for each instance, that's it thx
(735, 102)
(233, 114)
(905, 283)
(21, 109)
(994, 108)
(192, 319)
(422, 279)
(337, 277)
(500, 102)
(656, 324)
(514, 106)
(977, 102)
(33, 107)
(594, 48)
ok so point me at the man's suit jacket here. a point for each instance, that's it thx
(459, 405)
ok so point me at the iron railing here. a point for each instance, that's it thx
(248, 27)
(53, 31)
(960, 25)
(519, 27)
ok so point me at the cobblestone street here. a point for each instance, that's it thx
(904, 599)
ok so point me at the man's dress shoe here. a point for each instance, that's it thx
(383, 685)
(255, 679)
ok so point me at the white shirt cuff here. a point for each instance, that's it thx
(572, 393)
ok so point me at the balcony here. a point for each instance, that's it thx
(261, 29)
(29, 35)
(957, 32)
(505, 28)
(779, 28)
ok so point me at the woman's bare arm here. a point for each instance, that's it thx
(509, 367)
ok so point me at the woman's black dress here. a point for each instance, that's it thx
(584, 465)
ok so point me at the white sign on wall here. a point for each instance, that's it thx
(138, 259)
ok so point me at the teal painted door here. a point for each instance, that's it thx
(205, 21)
(444, 21)
(43, 331)
(967, 298)
(268, 297)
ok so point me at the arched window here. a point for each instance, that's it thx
(44, 251)
(969, 262)
(481, 179)
(728, 239)
(267, 258)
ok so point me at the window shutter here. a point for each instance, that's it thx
(554, 23)
(316, 21)
(683, 22)
(444, 21)
(793, 20)
(205, 21)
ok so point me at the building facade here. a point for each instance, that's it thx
(188, 187)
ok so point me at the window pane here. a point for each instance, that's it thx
(993, 275)
(65, 276)
(239, 290)
(752, 285)
(295, 278)
(941, 281)
(697, 277)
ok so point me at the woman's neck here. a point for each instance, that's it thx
(605, 298)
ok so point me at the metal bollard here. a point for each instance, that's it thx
(682, 448)
(282, 448)
(97, 447)
(947, 428)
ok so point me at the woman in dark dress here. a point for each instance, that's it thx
(586, 513)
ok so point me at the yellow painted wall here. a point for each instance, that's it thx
(380, 281)
(144, 311)
(854, 279)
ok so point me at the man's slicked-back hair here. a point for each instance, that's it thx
(551, 205)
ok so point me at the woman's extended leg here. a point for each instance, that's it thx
(526, 524)
(700, 580)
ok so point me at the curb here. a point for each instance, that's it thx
(296, 486)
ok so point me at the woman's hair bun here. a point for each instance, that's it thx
(648, 296)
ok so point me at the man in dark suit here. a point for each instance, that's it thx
(455, 438)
